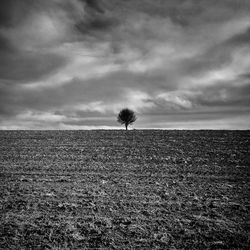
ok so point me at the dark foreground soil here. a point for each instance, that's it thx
(124, 190)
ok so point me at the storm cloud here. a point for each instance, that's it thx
(73, 64)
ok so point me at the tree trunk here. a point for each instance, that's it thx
(126, 125)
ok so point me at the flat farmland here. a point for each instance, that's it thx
(140, 189)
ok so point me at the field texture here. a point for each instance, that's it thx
(124, 190)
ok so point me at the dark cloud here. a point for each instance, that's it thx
(76, 62)
(20, 62)
(223, 95)
(93, 5)
(5, 45)
(217, 56)
(25, 67)
(95, 19)
(108, 90)
(95, 24)
(245, 76)
(12, 12)
(211, 59)
(240, 39)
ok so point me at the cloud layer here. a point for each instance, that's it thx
(73, 64)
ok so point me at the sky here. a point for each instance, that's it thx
(74, 64)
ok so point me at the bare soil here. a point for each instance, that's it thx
(125, 190)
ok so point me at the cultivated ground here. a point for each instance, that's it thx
(124, 190)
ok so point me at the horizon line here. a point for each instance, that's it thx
(137, 129)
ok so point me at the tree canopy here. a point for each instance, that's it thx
(126, 117)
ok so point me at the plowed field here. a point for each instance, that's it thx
(125, 190)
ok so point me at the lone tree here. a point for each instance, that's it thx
(126, 116)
